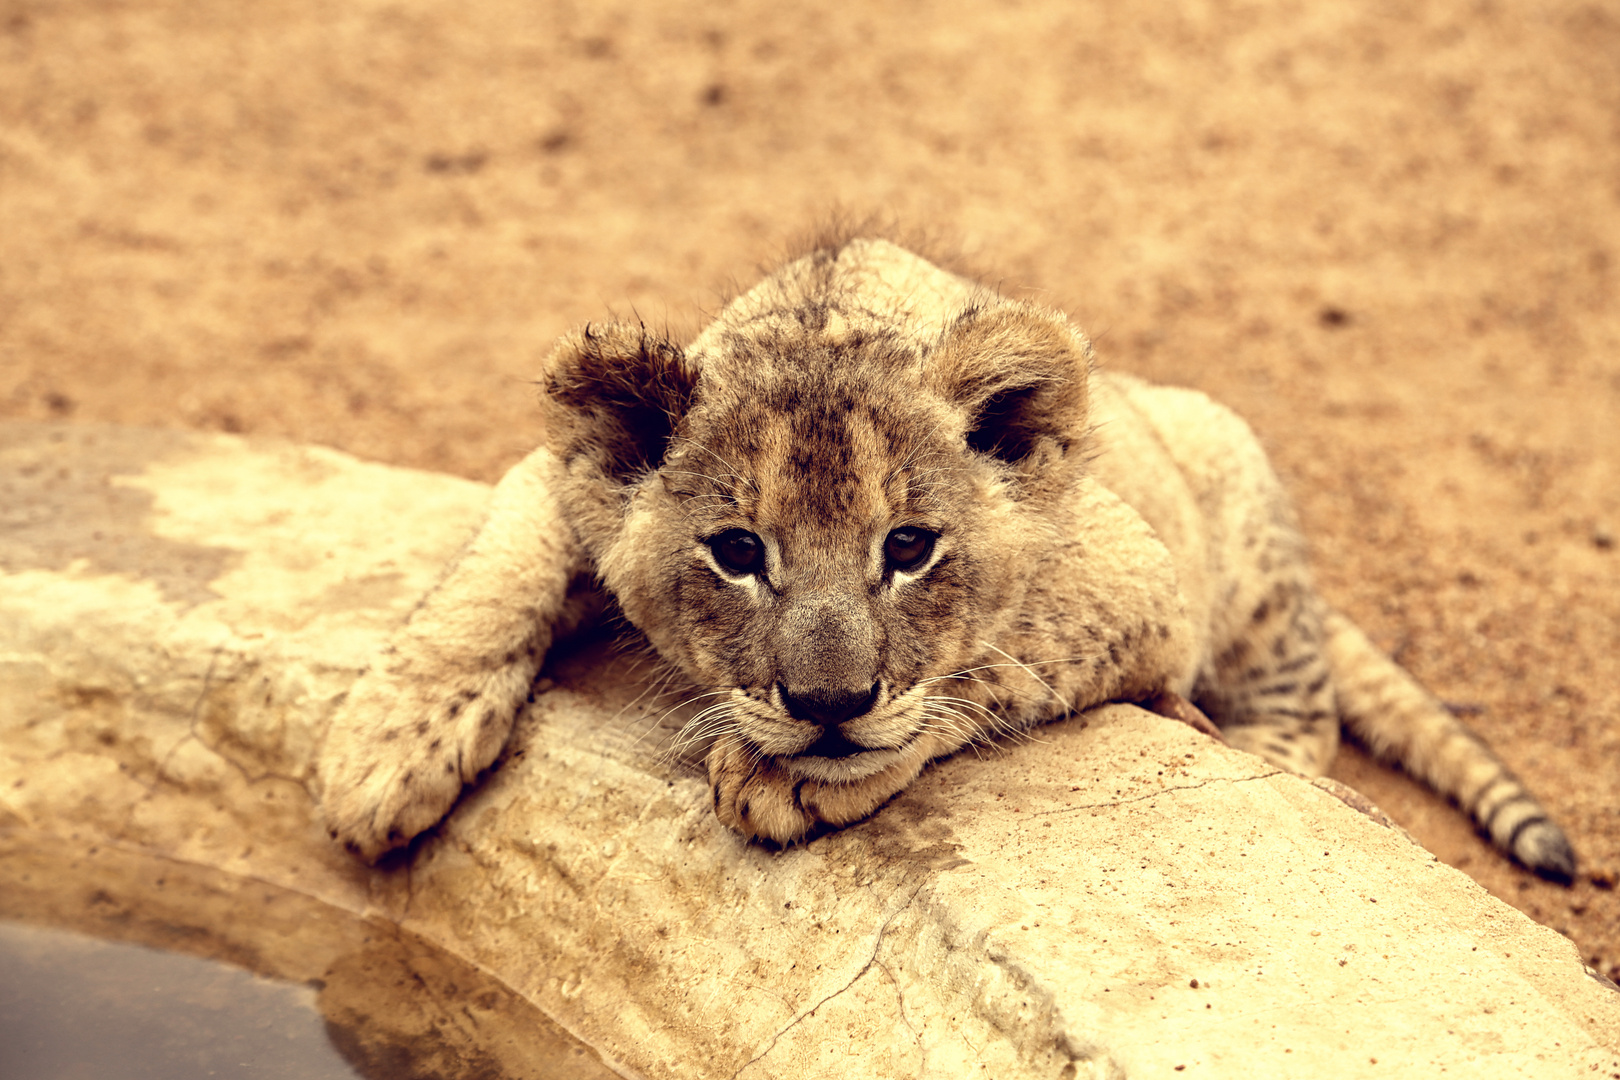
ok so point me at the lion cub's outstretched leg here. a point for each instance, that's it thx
(437, 707)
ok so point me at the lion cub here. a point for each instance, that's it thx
(880, 513)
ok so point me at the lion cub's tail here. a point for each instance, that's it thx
(1399, 721)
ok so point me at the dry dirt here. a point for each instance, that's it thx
(1387, 233)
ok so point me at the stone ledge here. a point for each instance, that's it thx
(1116, 896)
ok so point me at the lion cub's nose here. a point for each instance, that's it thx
(828, 708)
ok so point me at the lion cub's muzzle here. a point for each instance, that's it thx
(829, 709)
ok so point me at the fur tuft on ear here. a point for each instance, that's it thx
(1022, 376)
(614, 393)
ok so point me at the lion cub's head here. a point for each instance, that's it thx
(822, 517)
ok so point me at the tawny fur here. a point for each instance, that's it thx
(880, 513)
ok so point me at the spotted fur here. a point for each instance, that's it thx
(879, 513)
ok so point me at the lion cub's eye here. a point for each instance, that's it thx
(907, 549)
(738, 551)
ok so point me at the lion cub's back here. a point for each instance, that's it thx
(1196, 472)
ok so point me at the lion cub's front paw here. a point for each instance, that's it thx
(398, 753)
(759, 798)
(755, 796)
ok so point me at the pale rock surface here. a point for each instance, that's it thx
(1117, 896)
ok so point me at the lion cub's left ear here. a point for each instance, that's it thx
(614, 393)
(1022, 376)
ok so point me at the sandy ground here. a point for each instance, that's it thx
(1387, 233)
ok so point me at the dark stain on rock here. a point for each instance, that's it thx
(913, 830)
(59, 505)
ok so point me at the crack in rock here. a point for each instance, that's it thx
(871, 961)
(1156, 794)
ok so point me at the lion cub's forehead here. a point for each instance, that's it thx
(817, 445)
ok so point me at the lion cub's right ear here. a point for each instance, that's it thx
(615, 393)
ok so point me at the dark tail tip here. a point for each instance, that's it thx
(1542, 847)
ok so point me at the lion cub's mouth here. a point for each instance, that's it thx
(833, 744)
(842, 769)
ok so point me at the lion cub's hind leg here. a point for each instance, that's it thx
(1270, 688)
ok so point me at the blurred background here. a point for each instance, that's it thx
(1387, 233)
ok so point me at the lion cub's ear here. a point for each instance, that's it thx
(1021, 374)
(614, 393)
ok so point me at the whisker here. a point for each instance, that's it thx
(1015, 663)
(654, 686)
(729, 483)
(1031, 672)
(710, 724)
(968, 702)
(738, 478)
(951, 723)
(693, 442)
